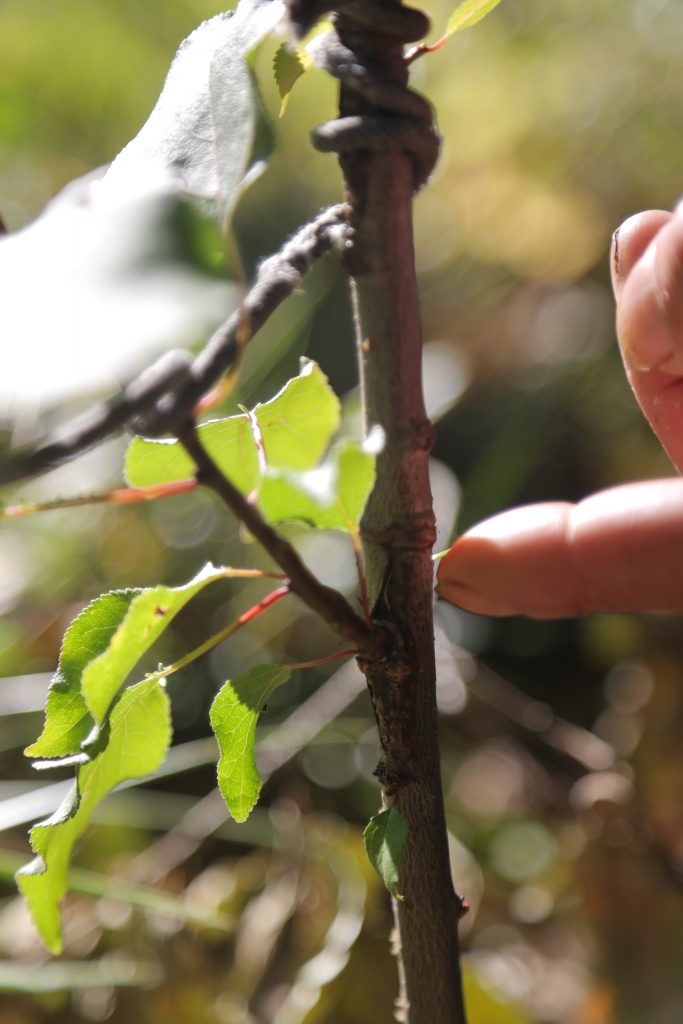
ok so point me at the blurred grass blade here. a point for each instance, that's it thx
(65, 975)
(142, 897)
(34, 803)
(339, 939)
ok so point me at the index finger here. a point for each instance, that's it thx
(618, 550)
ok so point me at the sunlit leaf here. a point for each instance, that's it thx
(122, 265)
(468, 13)
(355, 478)
(291, 62)
(229, 441)
(298, 423)
(295, 426)
(113, 282)
(288, 67)
(385, 838)
(138, 736)
(99, 650)
(234, 716)
(331, 497)
(67, 718)
(205, 121)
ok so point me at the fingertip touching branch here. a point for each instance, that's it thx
(164, 395)
(372, 641)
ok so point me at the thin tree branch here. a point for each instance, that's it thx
(330, 605)
(164, 395)
(387, 146)
(120, 496)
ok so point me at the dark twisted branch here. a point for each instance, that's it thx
(403, 119)
(163, 396)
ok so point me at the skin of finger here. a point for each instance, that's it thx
(668, 267)
(660, 396)
(619, 550)
(650, 304)
(534, 561)
(513, 563)
(659, 393)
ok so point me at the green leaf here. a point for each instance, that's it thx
(100, 648)
(234, 716)
(290, 61)
(67, 718)
(296, 427)
(355, 479)
(288, 67)
(229, 441)
(298, 423)
(385, 840)
(331, 497)
(468, 13)
(119, 250)
(138, 736)
(140, 266)
(206, 119)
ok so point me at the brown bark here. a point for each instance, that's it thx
(398, 531)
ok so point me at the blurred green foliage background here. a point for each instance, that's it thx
(563, 765)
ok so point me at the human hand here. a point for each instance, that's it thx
(621, 549)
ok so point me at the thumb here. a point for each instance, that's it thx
(647, 275)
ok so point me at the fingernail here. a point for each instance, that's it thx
(614, 264)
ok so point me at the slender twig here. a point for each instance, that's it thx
(422, 48)
(166, 393)
(324, 661)
(329, 604)
(224, 634)
(120, 496)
